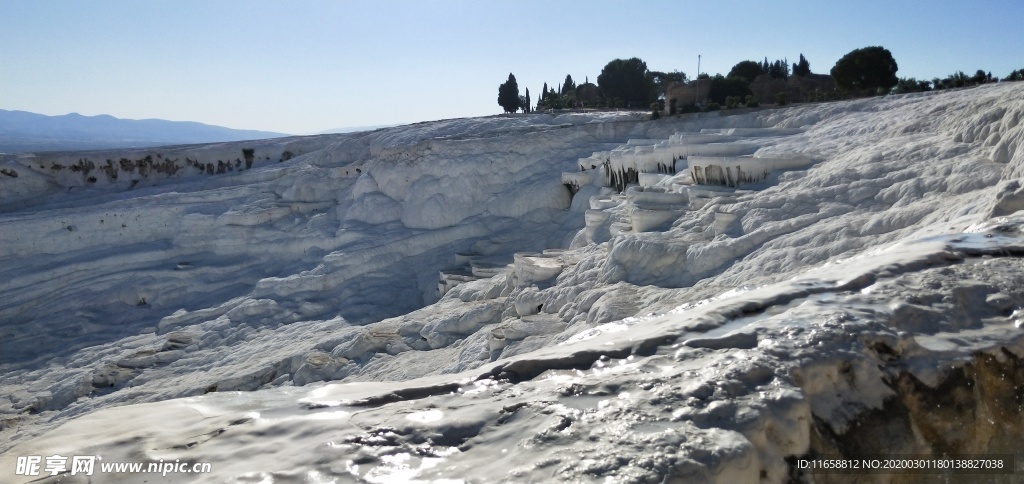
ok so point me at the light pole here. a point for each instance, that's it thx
(696, 96)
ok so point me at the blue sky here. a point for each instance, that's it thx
(306, 66)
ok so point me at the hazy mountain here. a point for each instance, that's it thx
(22, 131)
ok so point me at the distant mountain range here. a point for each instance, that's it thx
(22, 131)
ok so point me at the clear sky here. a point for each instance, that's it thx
(306, 66)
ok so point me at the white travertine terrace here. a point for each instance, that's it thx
(359, 312)
(736, 171)
(531, 269)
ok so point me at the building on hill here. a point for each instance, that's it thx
(686, 94)
(797, 88)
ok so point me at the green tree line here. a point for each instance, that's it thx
(628, 83)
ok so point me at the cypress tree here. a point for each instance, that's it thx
(802, 68)
(508, 95)
(569, 85)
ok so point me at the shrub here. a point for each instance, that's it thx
(781, 98)
(732, 102)
(752, 101)
(688, 108)
(722, 87)
(712, 107)
(672, 106)
(655, 112)
(911, 85)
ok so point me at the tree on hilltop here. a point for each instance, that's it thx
(508, 95)
(802, 68)
(747, 70)
(779, 69)
(625, 80)
(960, 79)
(568, 85)
(866, 70)
(982, 77)
(587, 93)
